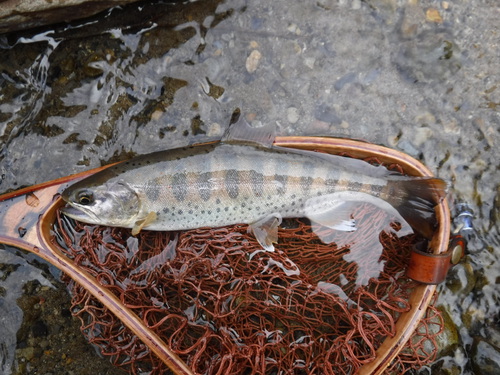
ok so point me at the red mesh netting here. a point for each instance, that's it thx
(226, 308)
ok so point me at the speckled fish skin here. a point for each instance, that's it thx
(240, 181)
(222, 184)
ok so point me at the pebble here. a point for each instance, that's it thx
(356, 4)
(293, 28)
(292, 115)
(421, 136)
(156, 115)
(309, 62)
(214, 130)
(344, 125)
(433, 15)
(253, 61)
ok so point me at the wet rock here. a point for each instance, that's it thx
(27, 14)
(413, 17)
(492, 332)
(448, 340)
(461, 278)
(39, 329)
(327, 114)
(428, 57)
(485, 358)
(342, 81)
(450, 365)
(409, 148)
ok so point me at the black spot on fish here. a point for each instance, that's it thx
(166, 210)
(180, 212)
(209, 212)
(218, 209)
(243, 204)
(190, 212)
(232, 182)
(217, 201)
(226, 209)
(179, 186)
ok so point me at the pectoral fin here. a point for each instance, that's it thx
(265, 230)
(139, 224)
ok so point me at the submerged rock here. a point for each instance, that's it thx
(27, 14)
(485, 358)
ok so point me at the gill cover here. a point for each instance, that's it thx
(113, 203)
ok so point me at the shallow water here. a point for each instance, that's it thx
(422, 77)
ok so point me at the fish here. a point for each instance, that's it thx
(244, 179)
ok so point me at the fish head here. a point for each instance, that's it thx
(113, 204)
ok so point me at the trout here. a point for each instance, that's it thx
(244, 179)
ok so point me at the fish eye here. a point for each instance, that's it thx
(85, 198)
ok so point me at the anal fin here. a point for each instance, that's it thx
(265, 230)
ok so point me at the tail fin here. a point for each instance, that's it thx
(415, 199)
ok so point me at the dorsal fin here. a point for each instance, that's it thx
(242, 132)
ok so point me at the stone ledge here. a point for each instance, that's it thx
(26, 14)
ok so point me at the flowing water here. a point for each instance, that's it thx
(419, 76)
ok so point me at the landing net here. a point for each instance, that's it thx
(227, 308)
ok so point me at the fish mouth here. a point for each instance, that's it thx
(78, 214)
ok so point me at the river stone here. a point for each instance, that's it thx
(485, 358)
(27, 14)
